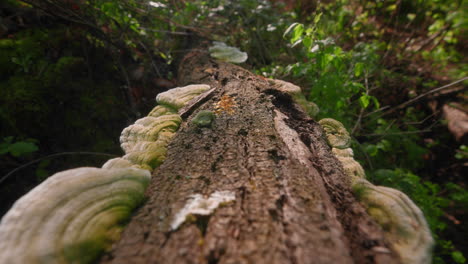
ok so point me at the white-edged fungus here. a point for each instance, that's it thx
(336, 133)
(177, 97)
(223, 52)
(72, 216)
(402, 221)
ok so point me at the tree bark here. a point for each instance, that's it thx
(293, 203)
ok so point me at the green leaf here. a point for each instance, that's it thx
(358, 69)
(317, 18)
(20, 148)
(297, 33)
(307, 42)
(458, 257)
(376, 102)
(293, 25)
(372, 150)
(364, 100)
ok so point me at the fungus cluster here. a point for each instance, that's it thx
(402, 221)
(76, 214)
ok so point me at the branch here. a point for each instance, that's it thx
(54, 155)
(403, 105)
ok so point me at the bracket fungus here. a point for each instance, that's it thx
(177, 97)
(161, 110)
(223, 52)
(72, 216)
(402, 221)
(336, 133)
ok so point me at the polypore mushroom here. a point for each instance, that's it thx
(145, 142)
(148, 129)
(336, 133)
(72, 216)
(402, 221)
(161, 110)
(223, 52)
(177, 97)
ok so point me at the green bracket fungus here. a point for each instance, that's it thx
(204, 118)
(72, 216)
(176, 98)
(161, 110)
(145, 142)
(148, 129)
(336, 133)
(402, 221)
(223, 52)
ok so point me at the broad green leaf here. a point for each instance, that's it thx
(372, 150)
(293, 25)
(364, 100)
(358, 69)
(376, 102)
(458, 257)
(317, 18)
(297, 33)
(20, 148)
(307, 42)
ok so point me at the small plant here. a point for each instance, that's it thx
(18, 148)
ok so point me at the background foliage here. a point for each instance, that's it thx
(74, 73)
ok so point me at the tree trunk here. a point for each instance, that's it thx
(292, 201)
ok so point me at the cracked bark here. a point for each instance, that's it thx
(292, 202)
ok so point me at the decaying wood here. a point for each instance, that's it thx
(292, 202)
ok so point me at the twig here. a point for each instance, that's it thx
(55, 155)
(361, 113)
(398, 133)
(168, 31)
(376, 111)
(129, 86)
(423, 95)
(151, 58)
